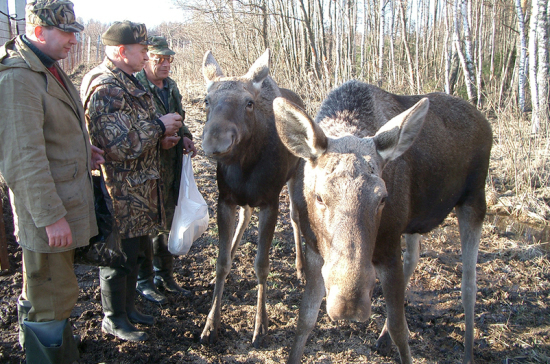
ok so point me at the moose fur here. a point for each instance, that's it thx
(375, 166)
(252, 167)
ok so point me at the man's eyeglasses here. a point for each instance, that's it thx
(160, 59)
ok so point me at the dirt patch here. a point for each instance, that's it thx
(512, 306)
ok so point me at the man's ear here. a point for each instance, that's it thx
(122, 51)
(39, 33)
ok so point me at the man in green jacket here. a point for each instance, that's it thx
(123, 122)
(167, 98)
(46, 158)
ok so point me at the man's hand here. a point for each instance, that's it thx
(97, 157)
(189, 146)
(168, 142)
(59, 234)
(172, 122)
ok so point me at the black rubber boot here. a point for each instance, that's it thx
(145, 285)
(113, 300)
(134, 315)
(163, 262)
(50, 342)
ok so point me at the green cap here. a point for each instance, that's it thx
(125, 32)
(159, 45)
(56, 13)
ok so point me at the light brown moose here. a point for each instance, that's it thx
(376, 166)
(252, 168)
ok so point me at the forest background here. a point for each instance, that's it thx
(493, 53)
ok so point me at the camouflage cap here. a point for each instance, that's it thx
(56, 13)
(125, 32)
(159, 45)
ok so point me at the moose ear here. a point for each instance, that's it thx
(259, 70)
(210, 68)
(298, 132)
(398, 134)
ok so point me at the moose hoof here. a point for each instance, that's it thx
(209, 337)
(383, 344)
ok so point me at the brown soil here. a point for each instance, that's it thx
(512, 308)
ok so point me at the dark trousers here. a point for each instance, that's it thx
(158, 260)
(136, 250)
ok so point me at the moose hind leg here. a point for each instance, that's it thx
(470, 220)
(226, 226)
(410, 260)
(267, 221)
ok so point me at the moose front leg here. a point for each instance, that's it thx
(226, 227)
(266, 228)
(309, 307)
(390, 273)
(410, 260)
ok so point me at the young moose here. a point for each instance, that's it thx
(253, 166)
(375, 166)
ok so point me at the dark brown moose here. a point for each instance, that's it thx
(376, 166)
(252, 168)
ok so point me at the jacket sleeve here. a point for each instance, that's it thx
(184, 130)
(23, 160)
(113, 124)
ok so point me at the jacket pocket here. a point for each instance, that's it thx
(65, 172)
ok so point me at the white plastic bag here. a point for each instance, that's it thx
(191, 215)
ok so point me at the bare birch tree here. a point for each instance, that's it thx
(522, 56)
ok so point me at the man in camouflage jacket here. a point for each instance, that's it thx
(167, 98)
(123, 121)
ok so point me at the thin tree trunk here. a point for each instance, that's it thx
(381, 43)
(533, 61)
(522, 56)
(469, 73)
(543, 67)
(406, 45)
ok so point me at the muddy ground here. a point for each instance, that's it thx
(512, 307)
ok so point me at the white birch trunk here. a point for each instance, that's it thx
(469, 73)
(543, 76)
(533, 61)
(522, 56)
(448, 53)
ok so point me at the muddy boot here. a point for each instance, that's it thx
(163, 262)
(113, 300)
(134, 315)
(50, 342)
(145, 285)
(23, 308)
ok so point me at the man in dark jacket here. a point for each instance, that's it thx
(46, 158)
(167, 98)
(123, 121)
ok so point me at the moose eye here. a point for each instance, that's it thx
(319, 200)
(250, 105)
